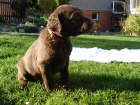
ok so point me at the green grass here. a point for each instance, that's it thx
(93, 83)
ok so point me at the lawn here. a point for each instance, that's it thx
(93, 83)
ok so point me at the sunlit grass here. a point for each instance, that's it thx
(107, 42)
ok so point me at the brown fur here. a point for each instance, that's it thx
(50, 54)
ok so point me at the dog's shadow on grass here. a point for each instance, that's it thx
(105, 43)
(104, 82)
(4, 100)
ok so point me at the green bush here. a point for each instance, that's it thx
(132, 25)
(34, 16)
(37, 21)
(28, 28)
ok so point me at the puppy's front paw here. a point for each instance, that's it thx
(22, 86)
(66, 86)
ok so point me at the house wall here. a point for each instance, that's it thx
(104, 20)
(102, 7)
(93, 4)
(133, 6)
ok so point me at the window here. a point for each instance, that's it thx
(95, 16)
(118, 7)
(133, 5)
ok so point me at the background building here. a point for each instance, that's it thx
(107, 13)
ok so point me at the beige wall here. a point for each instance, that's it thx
(93, 4)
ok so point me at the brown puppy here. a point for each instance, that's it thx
(50, 53)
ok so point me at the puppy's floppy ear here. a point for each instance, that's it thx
(54, 24)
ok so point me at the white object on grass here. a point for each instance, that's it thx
(101, 55)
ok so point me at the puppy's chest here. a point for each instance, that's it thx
(62, 50)
(60, 56)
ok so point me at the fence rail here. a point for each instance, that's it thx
(7, 14)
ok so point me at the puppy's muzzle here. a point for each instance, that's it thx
(87, 26)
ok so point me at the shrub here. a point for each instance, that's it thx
(28, 27)
(37, 21)
(96, 25)
(132, 25)
(35, 17)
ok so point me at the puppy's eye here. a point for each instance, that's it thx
(76, 16)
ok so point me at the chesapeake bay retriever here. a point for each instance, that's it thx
(50, 53)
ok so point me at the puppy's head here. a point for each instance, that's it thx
(67, 21)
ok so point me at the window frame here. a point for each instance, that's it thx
(123, 5)
(97, 16)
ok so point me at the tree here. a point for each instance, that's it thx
(20, 6)
(48, 6)
(127, 6)
(60, 2)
